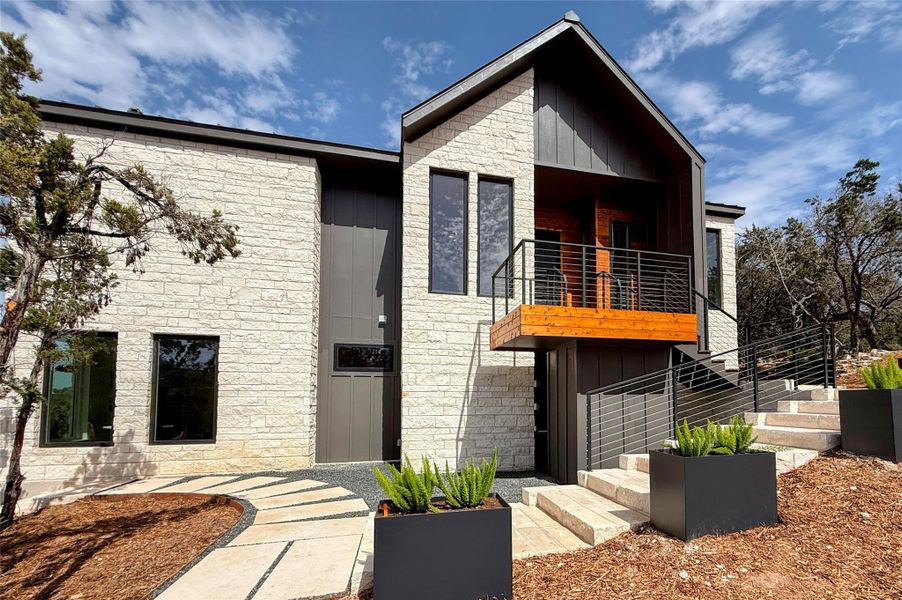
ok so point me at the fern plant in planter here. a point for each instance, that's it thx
(870, 419)
(458, 545)
(711, 481)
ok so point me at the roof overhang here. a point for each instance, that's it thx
(731, 211)
(119, 121)
(432, 111)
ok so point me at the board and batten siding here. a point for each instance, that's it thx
(263, 306)
(575, 129)
(459, 399)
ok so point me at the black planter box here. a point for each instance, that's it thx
(870, 422)
(451, 555)
(700, 495)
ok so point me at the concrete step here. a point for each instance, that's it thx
(634, 462)
(797, 437)
(815, 392)
(819, 407)
(803, 420)
(629, 488)
(592, 518)
(536, 533)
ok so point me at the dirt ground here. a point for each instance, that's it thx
(840, 537)
(104, 549)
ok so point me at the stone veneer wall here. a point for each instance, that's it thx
(460, 399)
(722, 330)
(262, 305)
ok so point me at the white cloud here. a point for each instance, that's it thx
(763, 56)
(818, 86)
(855, 22)
(322, 108)
(413, 60)
(696, 24)
(700, 107)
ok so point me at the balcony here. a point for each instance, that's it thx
(549, 292)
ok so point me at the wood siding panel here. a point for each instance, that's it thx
(565, 322)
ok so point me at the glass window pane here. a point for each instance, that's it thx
(494, 231)
(185, 388)
(448, 206)
(81, 397)
(363, 357)
(715, 286)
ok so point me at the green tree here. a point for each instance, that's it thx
(841, 263)
(63, 231)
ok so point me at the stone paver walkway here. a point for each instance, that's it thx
(303, 543)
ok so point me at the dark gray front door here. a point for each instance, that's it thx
(358, 404)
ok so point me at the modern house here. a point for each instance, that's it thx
(542, 232)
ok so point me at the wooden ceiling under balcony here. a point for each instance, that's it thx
(538, 327)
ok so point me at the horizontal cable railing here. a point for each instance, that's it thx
(639, 414)
(577, 275)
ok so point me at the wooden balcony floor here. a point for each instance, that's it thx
(536, 327)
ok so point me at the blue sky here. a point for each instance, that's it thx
(780, 97)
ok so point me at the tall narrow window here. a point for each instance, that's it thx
(715, 275)
(80, 395)
(448, 233)
(185, 388)
(495, 230)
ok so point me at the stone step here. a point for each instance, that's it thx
(629, 488)
(592, 518)
(797, 437)
(815, 392)
(536, 533)
(820, 407)
(803, 420)
(634, 462)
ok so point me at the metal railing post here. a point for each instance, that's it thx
(588, 432)
(639, 280)
(585, 290)
(832, 355)
(494, 283)
(824, 356)
(508, 275)
(523, 275)
(755, 375)
(673, 400)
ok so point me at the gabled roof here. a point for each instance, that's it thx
(115, 120)
(423, 117)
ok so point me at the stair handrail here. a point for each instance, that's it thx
(812, 341)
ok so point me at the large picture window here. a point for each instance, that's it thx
(495, 230)
(185, 388)
(448, 233)
(81, 396)
(715, 273)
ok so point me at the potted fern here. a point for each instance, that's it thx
(711, 481)
(870, 420)
(455, 545)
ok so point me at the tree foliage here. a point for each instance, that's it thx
(841, 262)
(66, 222)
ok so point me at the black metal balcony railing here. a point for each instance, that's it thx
(577, 275)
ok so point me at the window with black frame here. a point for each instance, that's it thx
(448, 233)
(495, 231)
(81, 394)
(185, 388)
(715, 275)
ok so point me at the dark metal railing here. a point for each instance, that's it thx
(709, 305)
(577, 275)
(640, 414)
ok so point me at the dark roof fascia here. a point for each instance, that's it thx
(118, 121)
(477, 83)
(731, 211)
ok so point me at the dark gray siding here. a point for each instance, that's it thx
(576, 127)
(358, 413)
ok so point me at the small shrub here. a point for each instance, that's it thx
(469, 487)
(735, 438)
(409, 491)
(697, 442)
(883, 375)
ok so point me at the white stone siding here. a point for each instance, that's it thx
(722, 330)
(262, 305)
(459, 398)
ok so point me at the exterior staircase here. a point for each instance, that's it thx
(810, 419)
(608, 502)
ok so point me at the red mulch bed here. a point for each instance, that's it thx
(840, 537)
(108, 548)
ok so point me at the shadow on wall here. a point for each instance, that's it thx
(496, 409)
(124, 460)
